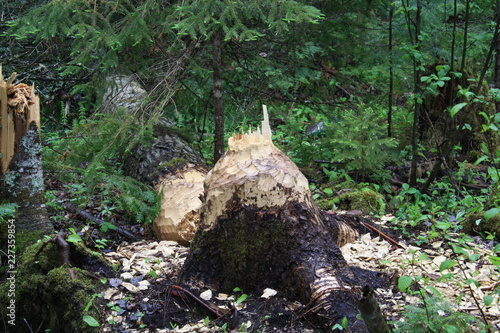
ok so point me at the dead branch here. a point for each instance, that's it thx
(92, 218)
(198, 300)
(387, 238)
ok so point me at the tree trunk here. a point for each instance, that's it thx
(21, 167)
(391, 73)
(218, 107)
(497, 61)
(418, 105)
(260, 228)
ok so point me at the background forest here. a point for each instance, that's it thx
(386, 106)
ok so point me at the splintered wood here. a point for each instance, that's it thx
(180, 205)
(255, 171)
(19, 107)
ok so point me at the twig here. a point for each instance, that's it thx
(205, 305)
(389, 239)
(91, 217)
(483, 315)
(61, 243)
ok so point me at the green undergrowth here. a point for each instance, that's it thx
(88, 160)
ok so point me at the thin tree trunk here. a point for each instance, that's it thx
(418, 105)
(391, 74)
(497, 62)
(466, 31)
(217, 93)
(452, 58)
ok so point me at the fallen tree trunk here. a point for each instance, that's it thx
(167, 162)
(260, 228)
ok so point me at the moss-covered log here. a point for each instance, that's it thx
(261, 229)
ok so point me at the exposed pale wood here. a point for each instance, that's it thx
(19, 107)
(181, 202)
(7, 127)
(257, 172)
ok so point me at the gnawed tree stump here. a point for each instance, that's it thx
(260, 228)
(182, 192)
(21, 173)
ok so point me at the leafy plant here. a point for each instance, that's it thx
(433, 314)
(7, 210)
(74, 237)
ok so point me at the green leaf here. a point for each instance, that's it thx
(433, 290)
(496, 249)
(91, 321)
(242, 299)
(488, 299)
(328, 191)
(442, 225)
(404, 282)
(74, 237)
(494, 260)
(447, 264)
(454, 110)
(459, 250)
(491, 213)
(344, 322)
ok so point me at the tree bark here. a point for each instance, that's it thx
(21, 173)
(497, 60)
(391, 73)
(260, 228)
(217, 92)
(418, 106)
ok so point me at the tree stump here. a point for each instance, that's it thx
(260, 228)
(21, 172)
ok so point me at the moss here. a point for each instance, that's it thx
(167, 167)
(476, 224)
(49, 294)
(172, 163)
(366, 200)
(325, 203)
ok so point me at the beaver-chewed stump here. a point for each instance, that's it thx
(260, 228)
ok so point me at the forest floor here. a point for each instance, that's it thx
(145, 297)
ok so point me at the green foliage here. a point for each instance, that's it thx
(7, 210)
(238, 19)
(90, 157)
(359, 141)
(436, 315)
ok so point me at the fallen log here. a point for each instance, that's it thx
(260, 228)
